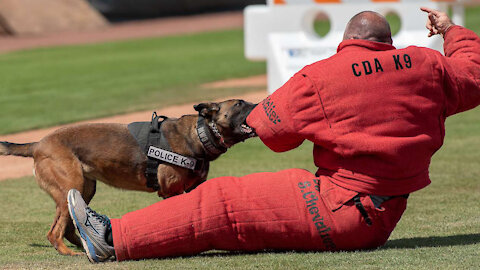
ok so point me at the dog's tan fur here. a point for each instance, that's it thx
(77, 156)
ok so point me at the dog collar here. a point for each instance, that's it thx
(217, 134)
(208, 140)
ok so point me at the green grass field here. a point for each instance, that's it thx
(45, 87)
(440, 229)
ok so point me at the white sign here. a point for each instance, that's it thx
(170, 157)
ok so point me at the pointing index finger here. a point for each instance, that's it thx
(425, 9)
(430, 10)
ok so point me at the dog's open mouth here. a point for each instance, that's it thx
(247, 130)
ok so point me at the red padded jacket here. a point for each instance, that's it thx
(374, 113)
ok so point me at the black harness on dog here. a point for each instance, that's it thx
(155, 145)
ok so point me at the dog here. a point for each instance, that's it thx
(79, 155)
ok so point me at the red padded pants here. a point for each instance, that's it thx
(286, 210)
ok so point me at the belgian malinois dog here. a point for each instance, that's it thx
(77, 156)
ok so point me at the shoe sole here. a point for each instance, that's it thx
(83, 236)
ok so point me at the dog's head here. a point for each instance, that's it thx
(230, 119)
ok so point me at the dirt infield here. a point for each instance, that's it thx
(130, 30)
(15, 167)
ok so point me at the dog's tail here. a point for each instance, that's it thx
(23, 150)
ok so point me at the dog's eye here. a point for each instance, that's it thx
(238, 104)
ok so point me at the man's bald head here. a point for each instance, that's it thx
(368, 25)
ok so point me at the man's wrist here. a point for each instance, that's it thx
(450, 27)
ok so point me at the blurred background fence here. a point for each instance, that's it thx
(125, 9)
(37, 17)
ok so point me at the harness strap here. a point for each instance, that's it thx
(151, 174)
(154, 138)
(362, 210)
(377, 201)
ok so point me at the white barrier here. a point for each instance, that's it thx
(282, 31)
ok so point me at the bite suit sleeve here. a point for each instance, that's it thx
(276, 118)
(461, 69)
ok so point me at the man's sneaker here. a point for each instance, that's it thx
(92, 228)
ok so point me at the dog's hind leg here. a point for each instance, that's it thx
(57, 176)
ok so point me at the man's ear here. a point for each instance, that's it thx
(206, 109)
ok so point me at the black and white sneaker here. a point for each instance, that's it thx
(92, 227)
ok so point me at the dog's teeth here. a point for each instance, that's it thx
(246, 129)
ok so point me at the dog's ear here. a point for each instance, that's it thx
(206, 109)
